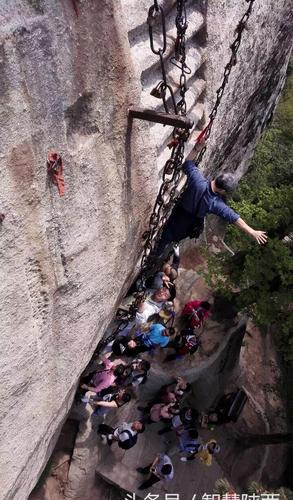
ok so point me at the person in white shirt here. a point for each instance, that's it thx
(152, 305)
(121, 433)
(160, 468)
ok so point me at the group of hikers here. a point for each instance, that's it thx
(126, 361)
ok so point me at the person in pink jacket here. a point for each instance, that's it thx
(103, 379)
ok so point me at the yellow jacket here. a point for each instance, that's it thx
(205, 456)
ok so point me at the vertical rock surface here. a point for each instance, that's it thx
(66, 84)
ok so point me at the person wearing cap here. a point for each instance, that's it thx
(161, 468)
(200, 198)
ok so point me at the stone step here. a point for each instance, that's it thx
(136, 12)
(139, 43)
(194, 60)
(195, 89)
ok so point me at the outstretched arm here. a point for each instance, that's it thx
(259, 236)
(105, 404)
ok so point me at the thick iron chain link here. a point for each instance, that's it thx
(179, 59)
(156, 15)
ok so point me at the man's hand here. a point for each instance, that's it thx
(260, 237)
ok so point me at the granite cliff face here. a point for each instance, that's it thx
(66, 85)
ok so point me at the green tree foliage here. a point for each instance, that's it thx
(260, 279)
(225, 489)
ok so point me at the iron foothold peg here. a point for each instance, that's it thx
(150, 115)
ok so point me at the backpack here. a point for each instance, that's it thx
(128, 443)
(197, 317)
(192, 343)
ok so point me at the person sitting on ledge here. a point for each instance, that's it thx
(186, 419)
(159, 412)
(218, 415)
(202, 197)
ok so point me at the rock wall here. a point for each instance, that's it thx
(255, 82)
(66, 84)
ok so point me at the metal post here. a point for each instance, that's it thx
(177, 121)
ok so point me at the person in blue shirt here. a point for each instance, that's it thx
(157, 335)
(200, 198)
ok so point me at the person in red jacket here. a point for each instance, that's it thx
(195, 313)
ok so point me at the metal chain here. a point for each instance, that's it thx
(155, 15)
(179, 59)
(234, 47)
(122, 322)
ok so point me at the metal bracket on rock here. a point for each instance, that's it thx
(177, 121)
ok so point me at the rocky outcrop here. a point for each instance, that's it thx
(66, 85)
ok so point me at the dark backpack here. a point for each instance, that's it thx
(128, 443)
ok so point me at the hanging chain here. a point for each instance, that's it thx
(156, 15)
(179, 59)
(234, 47)
(122, 322)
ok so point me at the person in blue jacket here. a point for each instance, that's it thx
(200, 198)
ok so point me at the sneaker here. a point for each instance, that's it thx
(176, 250)
(183, 459)
(103, 439)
